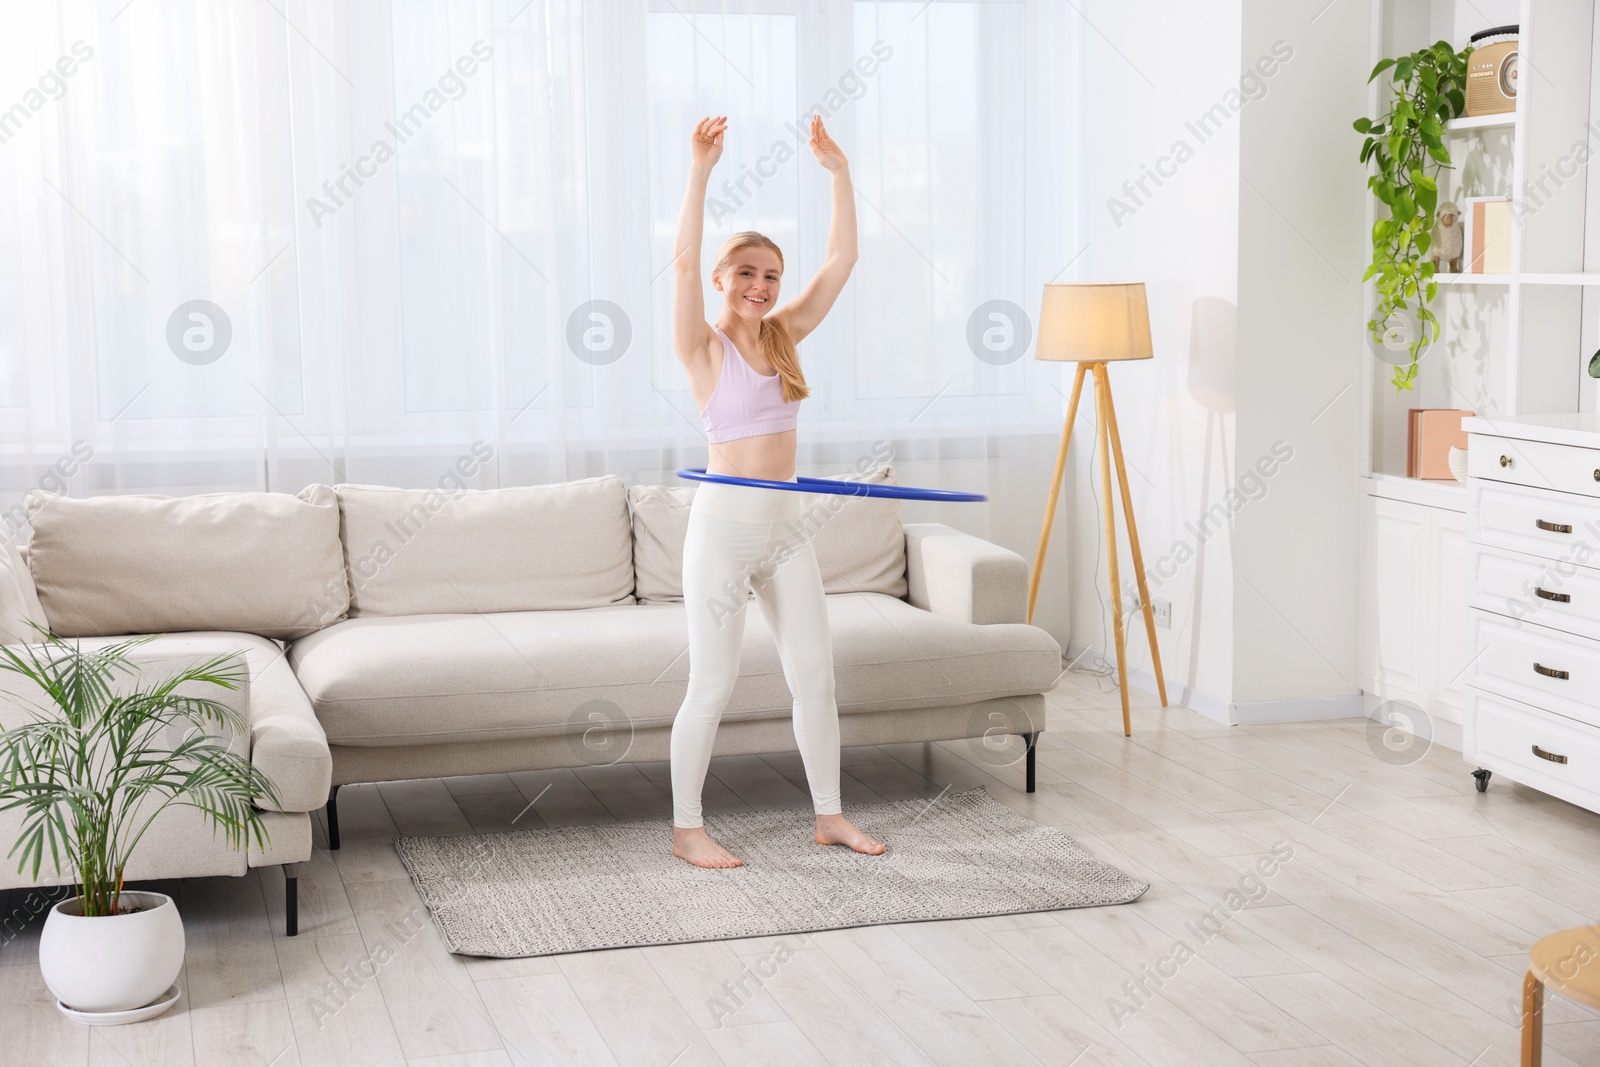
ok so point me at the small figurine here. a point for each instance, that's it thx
(1447, 239)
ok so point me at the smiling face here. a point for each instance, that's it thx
(749, 282)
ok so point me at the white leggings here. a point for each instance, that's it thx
(739, 538)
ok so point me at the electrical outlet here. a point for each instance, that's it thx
(1162, 610)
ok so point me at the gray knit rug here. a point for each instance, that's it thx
(576, 888)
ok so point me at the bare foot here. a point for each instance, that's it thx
(837, 830)
(695, 845)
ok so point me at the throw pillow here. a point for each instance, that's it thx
(261, 563)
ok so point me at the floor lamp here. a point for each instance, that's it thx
(1092, 325)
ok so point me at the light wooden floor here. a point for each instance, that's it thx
(1396, 934)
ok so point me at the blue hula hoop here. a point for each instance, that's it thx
(837, 488)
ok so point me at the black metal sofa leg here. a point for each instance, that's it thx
(333, 819)
(1028, 739)
(291, 899)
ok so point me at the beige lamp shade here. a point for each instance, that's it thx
(1094, 322)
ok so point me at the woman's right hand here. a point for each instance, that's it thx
(705, 145)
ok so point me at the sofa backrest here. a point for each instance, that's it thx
(526, 548)
(286, 566)
(264, 563)
(859, 541)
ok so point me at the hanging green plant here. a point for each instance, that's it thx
(1406, 144)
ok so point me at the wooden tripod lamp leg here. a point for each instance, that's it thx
(1055, 489)
(1102, 397)
(1133, 542)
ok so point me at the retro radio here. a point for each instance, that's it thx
(1492, 72)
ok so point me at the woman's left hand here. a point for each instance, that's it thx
(827, 152)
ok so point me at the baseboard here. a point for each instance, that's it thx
(1302, 709)
(1349, 706)
(1446, 734)
(1144, 680)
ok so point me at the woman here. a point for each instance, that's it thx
(745, 376)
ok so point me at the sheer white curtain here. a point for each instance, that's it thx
(250, 245)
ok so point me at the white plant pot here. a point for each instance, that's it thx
(113, 962)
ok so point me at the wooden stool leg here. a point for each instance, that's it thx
(1055, 489)
(1532, 1021)
(1102, 397)
(1133, 542)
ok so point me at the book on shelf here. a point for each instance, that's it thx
(1433, 432)
(1487, 235)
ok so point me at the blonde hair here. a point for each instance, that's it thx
(776, 344)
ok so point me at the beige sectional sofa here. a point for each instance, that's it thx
(399, 634)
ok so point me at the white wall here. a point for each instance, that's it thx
(1302, 250)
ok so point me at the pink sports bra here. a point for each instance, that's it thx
(744, 403)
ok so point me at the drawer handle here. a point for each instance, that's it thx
(1553, 527)
(1506, 461)
(1551, 756)
(1558, 598)
(1550, 672)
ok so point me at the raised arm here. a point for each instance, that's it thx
(803, 314)
(690, 333)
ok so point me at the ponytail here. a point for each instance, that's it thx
(778, 347)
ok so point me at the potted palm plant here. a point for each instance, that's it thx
(104, 754)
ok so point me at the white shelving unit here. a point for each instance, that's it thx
(1469, 123)
(1415, 490)
(1472, 279)
(1512, 344)
(1575, 278)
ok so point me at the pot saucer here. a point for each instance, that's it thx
(132, 1015)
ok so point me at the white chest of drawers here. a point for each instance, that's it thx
(1533, 529)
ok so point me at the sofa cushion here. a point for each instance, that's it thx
(528, 548)
(860, 544)
(19, 600)
(660, 515)
(261, 563)
(443, 678)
